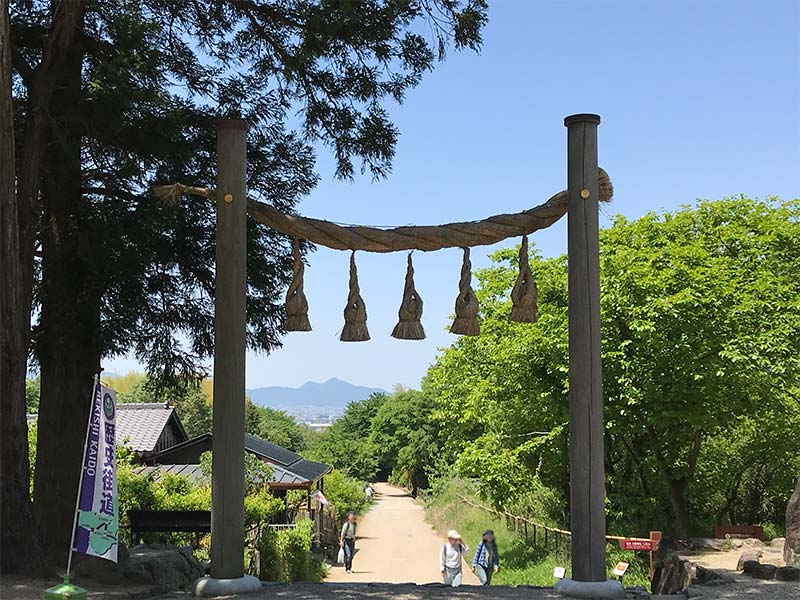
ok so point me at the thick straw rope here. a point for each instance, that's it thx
(296, 303)
(355, 313)
(466, 321)
(409, 324)
(524, 294)
(427, 238)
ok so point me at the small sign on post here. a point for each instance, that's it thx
(636, 545)
(643, 545)
(620, 569)
(559, 572)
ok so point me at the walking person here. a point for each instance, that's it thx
(347, 540)
(486, 561)
(450, 559)
(368, 493)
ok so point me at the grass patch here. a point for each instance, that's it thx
(521, 562)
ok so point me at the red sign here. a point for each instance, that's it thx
(640, 545)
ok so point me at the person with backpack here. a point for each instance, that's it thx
(450, 558)
(486, 561)
(347, 541)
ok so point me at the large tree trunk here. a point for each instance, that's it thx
(68, 348)
(16, 521)
(678, 493)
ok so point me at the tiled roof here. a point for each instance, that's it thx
(270, 451)
(195, 474)
(310, 469)
(140, 425)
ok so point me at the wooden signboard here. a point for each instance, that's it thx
(637, 545)
(739, 531)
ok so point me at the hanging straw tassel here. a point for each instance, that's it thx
(296, 303)
(355, 313)
(466, 321)
(409, 326)
(524, 295)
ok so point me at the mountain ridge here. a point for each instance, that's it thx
(329, 397)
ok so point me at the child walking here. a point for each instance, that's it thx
(450, 558)
(486, 561)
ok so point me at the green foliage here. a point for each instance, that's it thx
(33, 430)
(174, 492)
(403, 437)
(701, 332)
(345, 444)
(392, 437)
(32, 391)
(345, 493)
(278, 427)
(521, 562)
(286, 554)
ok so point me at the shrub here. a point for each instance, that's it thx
(345, 493)
(286, 554)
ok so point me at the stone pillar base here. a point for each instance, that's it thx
(208, 587)
(600, 590)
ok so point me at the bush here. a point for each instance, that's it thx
(286, 554)
(345, 493)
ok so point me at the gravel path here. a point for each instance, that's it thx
(395, 544)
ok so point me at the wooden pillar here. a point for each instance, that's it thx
(227, 479)
(587, 472)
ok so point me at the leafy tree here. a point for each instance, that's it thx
(345, 444)
(121, 95)
(700, 316)
(280, 428)
(403, 437)
(32, 390)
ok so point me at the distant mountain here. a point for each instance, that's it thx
(312, 399)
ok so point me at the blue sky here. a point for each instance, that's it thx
(698, 99)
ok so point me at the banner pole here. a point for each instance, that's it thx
(80, 478)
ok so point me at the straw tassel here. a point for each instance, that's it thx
(466, 321)
(409, 327)
(355, 313)
(296, 303)
(524, 295)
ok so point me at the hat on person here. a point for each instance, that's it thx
(453, 534)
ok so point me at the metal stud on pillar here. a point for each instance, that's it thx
(230, 289)
(587, 470)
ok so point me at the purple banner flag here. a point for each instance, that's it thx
(97, 533)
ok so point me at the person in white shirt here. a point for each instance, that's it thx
(450, 558)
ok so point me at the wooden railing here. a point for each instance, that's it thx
(529, 529)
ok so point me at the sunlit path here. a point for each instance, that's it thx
(395, 544)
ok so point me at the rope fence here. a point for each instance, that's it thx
(551, 537)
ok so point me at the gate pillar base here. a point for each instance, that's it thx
(208, 587)
(600, 590)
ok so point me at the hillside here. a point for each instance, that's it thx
(312, 399)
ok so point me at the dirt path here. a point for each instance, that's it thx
(395, 544)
